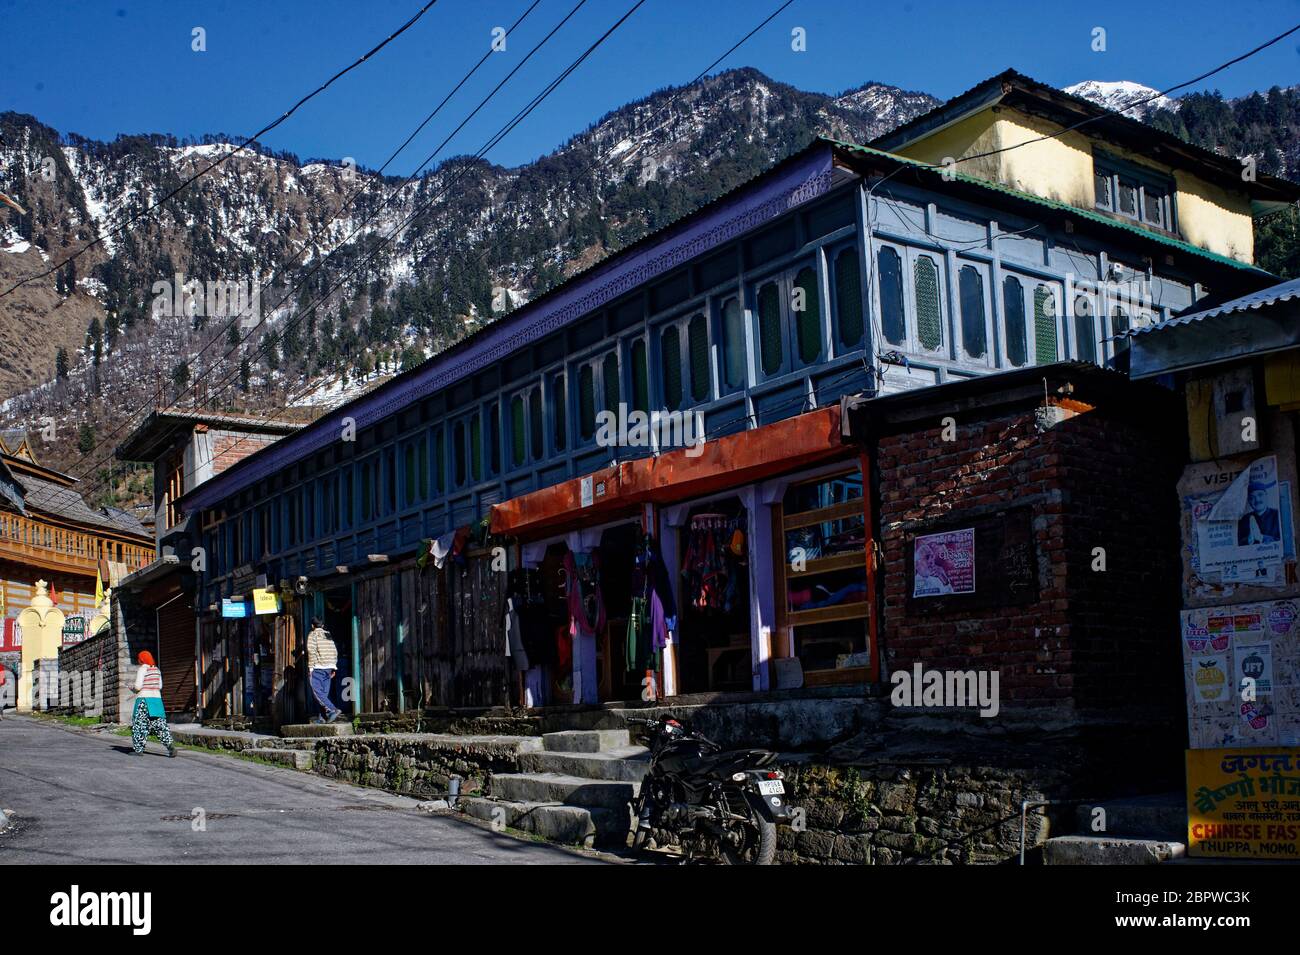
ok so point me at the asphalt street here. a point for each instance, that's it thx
(85, 798)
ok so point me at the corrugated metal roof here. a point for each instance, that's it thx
(1282, 292)
(1057, 205)
(60, 501)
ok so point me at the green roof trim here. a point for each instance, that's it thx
(1057, 205)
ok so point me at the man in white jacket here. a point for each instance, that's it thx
(322, 662)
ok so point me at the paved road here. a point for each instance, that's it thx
(84, 798)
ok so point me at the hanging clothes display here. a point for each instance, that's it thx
(586, 618)
(716, 555)
(653, 619)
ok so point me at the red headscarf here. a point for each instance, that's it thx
(146, 658)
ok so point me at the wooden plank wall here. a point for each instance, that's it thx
(452, 646)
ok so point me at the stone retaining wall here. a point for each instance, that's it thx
(416, 764)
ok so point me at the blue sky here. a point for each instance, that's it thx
(104, 67)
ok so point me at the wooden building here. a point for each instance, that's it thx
(843, 270)
(49, 533)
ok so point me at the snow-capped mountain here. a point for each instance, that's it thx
(400, 269)
(1124, 96)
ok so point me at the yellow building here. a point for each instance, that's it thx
(1036, 139)
(54, 550)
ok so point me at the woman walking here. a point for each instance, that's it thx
(149, 715)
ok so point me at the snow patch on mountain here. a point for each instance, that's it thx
(1123, 96)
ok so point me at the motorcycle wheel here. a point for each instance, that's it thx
(763, 850)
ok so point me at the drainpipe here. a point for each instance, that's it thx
(356, 656)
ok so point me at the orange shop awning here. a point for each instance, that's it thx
(731, 461)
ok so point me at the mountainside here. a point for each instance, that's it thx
(90, 345)
(470, 239)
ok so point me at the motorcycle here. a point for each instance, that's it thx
(719, 804)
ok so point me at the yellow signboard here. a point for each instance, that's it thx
(1244, 803)
(266, 600)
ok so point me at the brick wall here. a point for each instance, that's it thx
(231, 447)
(1091, 639)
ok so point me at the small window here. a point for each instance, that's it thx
(929, 314)
(1101, 182)
(1013, 318)
(808, 319)
(535, 424)
(457, 452)
(410, 476)
(848, 297)
(609, 378)
(1044, 326)
(1085, 329)
(891, 296)
(974, 339)
(1153, 206)
(476, 448)
(494, 438)
(559, 412)
(1128, 197)
(771, 353)
(697, 342)
(440, 460)
(518, 432)
(423, 457)
(586, 402)
(640, 381)
(670, 355)
(733, 343)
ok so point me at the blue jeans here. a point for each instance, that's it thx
(321, 681)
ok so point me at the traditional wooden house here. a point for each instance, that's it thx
(843, 270)
(49, 534)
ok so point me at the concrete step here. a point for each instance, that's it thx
(624, 764)
(571, 825)
(1162, 816)
(316, 730)
(584, 741)
(563, 788)
(293, 758)
(1109, 850)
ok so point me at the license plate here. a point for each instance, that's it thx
(771, 787)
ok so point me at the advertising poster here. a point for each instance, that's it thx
(1244, 804)
(1241, 665)
(944, 563)
(266, 600)
(1240, 536)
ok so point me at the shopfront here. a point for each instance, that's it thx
(740, 569)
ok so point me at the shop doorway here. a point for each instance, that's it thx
(714, 627)
(335, 611)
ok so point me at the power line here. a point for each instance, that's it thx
(161, 391)
(242, 146)
(491, 142)
(293, 322)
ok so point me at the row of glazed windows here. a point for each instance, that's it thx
(777, 325)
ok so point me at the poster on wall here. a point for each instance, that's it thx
(1240, 536)
(1241, 666)
(944, 563)
(1244, 804)
(74, 629)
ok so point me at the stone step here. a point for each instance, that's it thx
(571, 825)
(306, 743)
(1109, 850)
(563, 788)
(316, 730)
(584, 741)
(293, 758)
(624, 764)
(1162, 816)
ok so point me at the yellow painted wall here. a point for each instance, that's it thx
(1061, 168)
